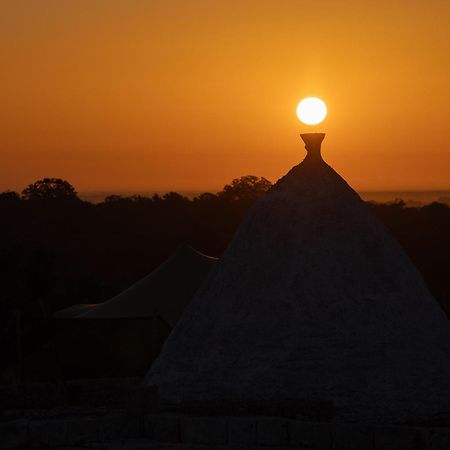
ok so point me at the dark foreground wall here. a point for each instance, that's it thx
(24, 399)
(125, 431)
(120, 414)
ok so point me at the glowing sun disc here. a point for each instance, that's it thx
(311, 110)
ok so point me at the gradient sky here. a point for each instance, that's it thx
(186, 95)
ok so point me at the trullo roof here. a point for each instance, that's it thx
(313, 298)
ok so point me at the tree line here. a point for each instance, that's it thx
(57, 250)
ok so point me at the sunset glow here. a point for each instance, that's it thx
(182, 95)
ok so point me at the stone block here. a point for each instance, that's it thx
(13, 434)
(133, 427)
(400, 438)
(353, 437)
(118, 426)
(314, 435)
(83, 431)
(96, 446)
(242, 430)
(117, 445)
(162, 428)
(438, 439)
(104, 392)
(12, 397)
(52, 433)
(74, 448)
(43, 395)
(138, 444)
(272, 431)
(142, 399)
(204, 430)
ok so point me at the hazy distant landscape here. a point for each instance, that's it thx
(411, 198)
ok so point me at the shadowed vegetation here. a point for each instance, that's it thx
(57, 250)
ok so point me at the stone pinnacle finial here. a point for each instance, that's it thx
(313, 142)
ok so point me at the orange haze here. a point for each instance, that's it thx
(186, 95)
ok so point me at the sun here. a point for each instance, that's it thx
(311, 110)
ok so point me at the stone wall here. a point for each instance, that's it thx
(110, 393)
(121, 414)
(112, 431)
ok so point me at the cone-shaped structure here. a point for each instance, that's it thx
(312, 299)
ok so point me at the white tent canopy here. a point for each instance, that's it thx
(165, 291)
(74, 310)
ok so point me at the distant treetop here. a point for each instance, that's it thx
(50, 189)
(9, 196)
(248, 187)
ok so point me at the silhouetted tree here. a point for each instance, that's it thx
(206, 197)
(50, 189)
(9, 197)
(114, 198)
(174, 197)
(247, 188)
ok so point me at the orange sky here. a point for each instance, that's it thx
(186, 95)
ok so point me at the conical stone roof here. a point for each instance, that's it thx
(313, 299)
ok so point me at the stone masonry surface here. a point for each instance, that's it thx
(154, 431)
